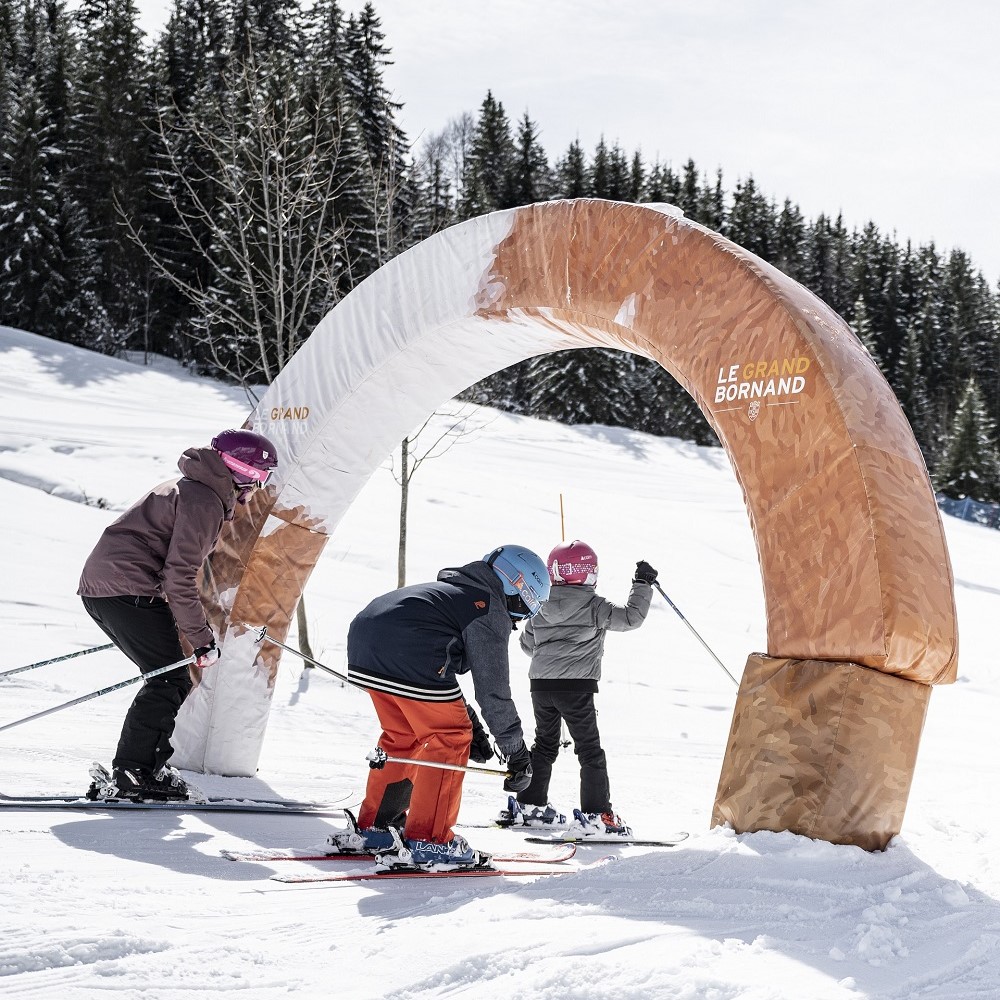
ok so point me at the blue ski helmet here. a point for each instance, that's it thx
(524, 577)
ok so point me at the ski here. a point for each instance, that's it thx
(549, 858)
(670, 841)
(515, 827)
(416, 873)
(234, 805)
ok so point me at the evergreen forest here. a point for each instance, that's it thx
(210, 194)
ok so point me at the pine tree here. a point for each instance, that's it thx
(571, 173)
(970, 463)
(488, 181)
(817, 271)
(789, 242)
(712, 206)
(751, 220)
(48, 262)
(599, 173)
(30, 232)
(661, 185)
(609, 173)
(690, 193)
(842, 292)
(111, 172)
(530, 176)
(384, 143)
(261, 28)
(434, 202)
(10, 53)
(862, 327)
(583, 387)
(189, 72)
(619, 174)
(636, 178)
(335, 77)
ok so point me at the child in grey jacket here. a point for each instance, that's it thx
(565, 641)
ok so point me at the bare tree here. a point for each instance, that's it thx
(255, 184)
(458, 425)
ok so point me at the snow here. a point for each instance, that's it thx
(142, 905)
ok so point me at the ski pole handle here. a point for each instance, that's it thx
(56, 659)
(378, 758)
(97, 694)
(261, 632)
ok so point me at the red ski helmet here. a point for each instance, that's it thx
(573, 563)
(249, 456)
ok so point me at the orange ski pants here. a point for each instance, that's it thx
(421, 730)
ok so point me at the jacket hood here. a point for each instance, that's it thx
(476, 573)
(203, 465)
(565, 600)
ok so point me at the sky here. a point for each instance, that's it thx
(882, 111)
(145, 905)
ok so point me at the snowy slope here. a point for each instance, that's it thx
(142, 905)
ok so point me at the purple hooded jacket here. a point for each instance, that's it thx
(157, 546)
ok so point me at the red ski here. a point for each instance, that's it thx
(555, 857)
(416, 873)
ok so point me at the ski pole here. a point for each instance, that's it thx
(378, 758)
(663, 594)
(261, 631)
(97, 694)
(56, 659)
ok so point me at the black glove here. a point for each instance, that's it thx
(644, 573)
(519, 766)
(482, 749)
(205, 656)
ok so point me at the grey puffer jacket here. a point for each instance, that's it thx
(157, 546)
(565, 640)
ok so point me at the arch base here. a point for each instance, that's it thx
(820, 748)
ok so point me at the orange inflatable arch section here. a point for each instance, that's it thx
(858, 586)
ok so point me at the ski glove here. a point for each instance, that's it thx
(205, 656)
(519, 768)
(644, 573)
(482, 749)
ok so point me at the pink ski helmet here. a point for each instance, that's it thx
(573, 563)
(249, 456)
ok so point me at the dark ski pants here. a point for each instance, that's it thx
(580, 714)
(143, 628)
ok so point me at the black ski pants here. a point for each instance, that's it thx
(143, 628)
(578, 710)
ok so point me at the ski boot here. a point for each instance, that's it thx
(101, 785)
(605, 824)
(513, 815)
(353, 840)
(137, 784)
(427, 856)
(169, 779)
(542, 816)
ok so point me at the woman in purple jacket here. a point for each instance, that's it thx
(140, 585)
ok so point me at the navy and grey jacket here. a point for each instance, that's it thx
(565, 640)
(413, 642)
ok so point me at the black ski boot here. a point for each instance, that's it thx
(135, 784)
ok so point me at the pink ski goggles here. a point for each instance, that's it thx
(256, 477)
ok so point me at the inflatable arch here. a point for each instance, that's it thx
(857, 580)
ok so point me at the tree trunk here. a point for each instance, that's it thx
(303, 629)
(404, 496)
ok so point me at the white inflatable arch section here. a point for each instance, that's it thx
(856, 575)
